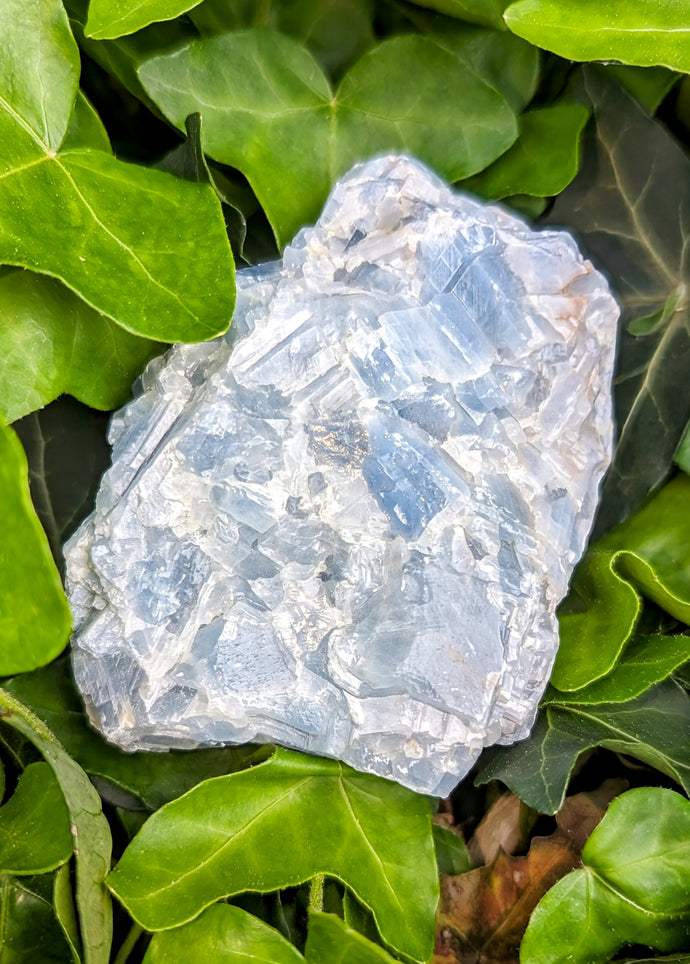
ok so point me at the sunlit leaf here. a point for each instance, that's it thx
(144, 248)
(633, 888)
(34, 616)
(331, 941)
(269, 111)
(52, 343)
(632, 31)
(281, 823)
(115, 18)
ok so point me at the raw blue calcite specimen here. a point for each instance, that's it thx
(346, 525)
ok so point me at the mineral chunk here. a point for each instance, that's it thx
(346, 525)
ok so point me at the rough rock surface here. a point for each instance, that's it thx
(346, 526)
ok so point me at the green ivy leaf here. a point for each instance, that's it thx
(52, 343)
(648, 85)
(225, 935)
(635, 229)
(648, 554)
(654, 728)
(116, 18)
(100, 225)
(331, 941)
(542, 161)
(682, 457)
(34, 616)
(337, 32)
(154, 778)
(633, 888)
(34, 825)
(269, 111)
(29, 932)
(86, 129)
(632, 31)
(90, 830)
(646, 659)
(281, 823)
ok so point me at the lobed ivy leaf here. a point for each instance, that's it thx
(90, 830)
(35, 619)
(51, 342)
(337, 32)
(542, 161)
(153, 778)
(29, 932)
(648, 554)
(116, 18)
(331, 941)
(654, 728)
(100, 225)
(633, 887)
(632, 31)
(225, 935)
(34, 825)
(635, 229)
(270, 112)
(279, 824)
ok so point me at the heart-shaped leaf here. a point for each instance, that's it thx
(637, 230)
(634, 886)
(34, 825)
(34, 616)
(654, 728)
(281, 823)
(52, 343)
(225, 935)
(90, 831)
(115, 18)
(633, 31)
(144, 248)
(269, 111)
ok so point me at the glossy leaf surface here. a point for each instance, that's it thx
(225, 935)
(648, 554)
(269, 111)
(115, 18)
(90, 831)
(281, 823)
(543, 160)
(100, 225)
(634, 885)
(632, 31)
(654, 728)
(34, 616)
(636, 230)
(52, 343)
(34, 825)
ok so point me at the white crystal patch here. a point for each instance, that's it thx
(346, 525)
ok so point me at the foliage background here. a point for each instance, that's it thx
(146, 148)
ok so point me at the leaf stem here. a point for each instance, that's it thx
(315, 893)
(127, 946)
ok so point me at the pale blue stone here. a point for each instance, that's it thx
(346, 526)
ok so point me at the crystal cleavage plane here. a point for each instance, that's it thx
(346, 525)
